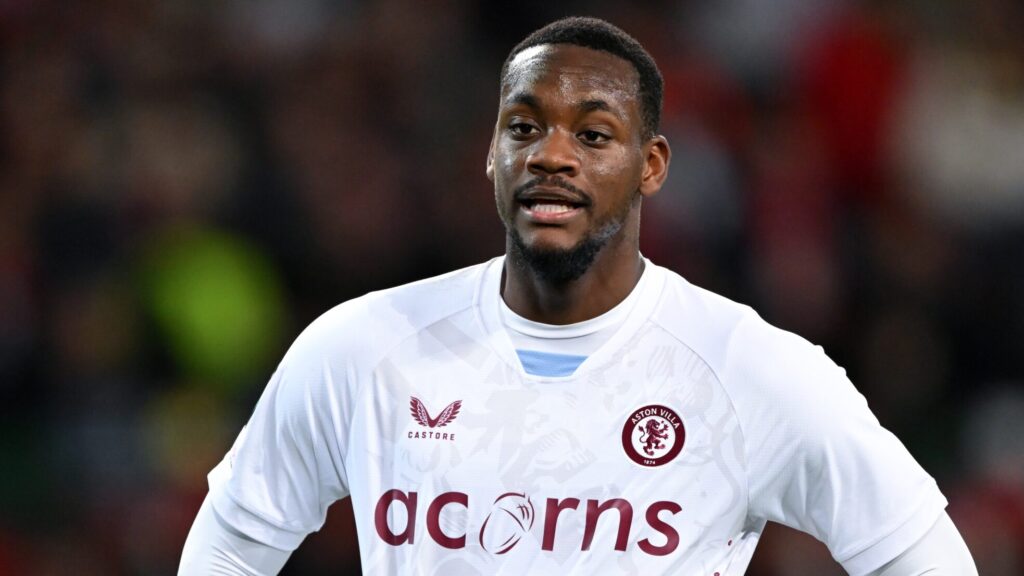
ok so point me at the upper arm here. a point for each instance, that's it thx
(288, 464)
(820, 462)
(940, 552)
(213, 547)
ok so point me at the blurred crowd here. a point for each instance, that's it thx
(185, 184)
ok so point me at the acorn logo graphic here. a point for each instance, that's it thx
(510, 519)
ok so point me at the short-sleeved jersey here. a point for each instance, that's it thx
(665, 452)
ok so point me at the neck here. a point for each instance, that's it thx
(609, 280)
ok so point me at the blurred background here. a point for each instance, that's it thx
(185, 184)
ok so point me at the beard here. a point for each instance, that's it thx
(563, 265)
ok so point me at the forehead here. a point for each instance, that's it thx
(577, 73)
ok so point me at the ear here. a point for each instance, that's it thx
(656, 160)
(490, 157)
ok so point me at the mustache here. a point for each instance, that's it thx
(551, 182)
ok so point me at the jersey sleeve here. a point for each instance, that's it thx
(941, 551)
(819, 461)
(287, 466)
(214, 548)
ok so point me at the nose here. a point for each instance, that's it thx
(555, 153)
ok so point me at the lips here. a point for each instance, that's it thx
(550, 210)
(546, 208)
(550, 202)
(560, 193)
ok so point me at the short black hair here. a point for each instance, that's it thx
(598, 34)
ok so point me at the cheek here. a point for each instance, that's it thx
(507, 166)
(505, 171)
(620, 168)
(511, 161)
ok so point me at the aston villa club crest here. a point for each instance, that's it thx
(419, 414)
(653, 435)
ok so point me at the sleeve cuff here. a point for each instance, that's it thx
(898, 540)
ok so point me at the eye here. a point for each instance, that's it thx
(593, 137)
(521, 129)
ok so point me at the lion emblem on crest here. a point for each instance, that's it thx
(651, 434)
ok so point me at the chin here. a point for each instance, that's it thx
(550, 246)
(555, 262)
(550, 238)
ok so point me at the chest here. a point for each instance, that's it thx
(641, 451)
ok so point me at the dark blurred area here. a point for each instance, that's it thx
(185, 185)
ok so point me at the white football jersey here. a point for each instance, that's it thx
(665, 452)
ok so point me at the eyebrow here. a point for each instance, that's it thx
(531, 101)
(594, 105)
(524, 99)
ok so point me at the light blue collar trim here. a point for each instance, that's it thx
(549, 364)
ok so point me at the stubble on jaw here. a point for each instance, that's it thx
(559, 266)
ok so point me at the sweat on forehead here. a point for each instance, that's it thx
(570, 61)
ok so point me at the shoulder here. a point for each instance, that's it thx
(755, 362)
(365, 328)
(702, 320)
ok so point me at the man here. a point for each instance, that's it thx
(570, 406)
